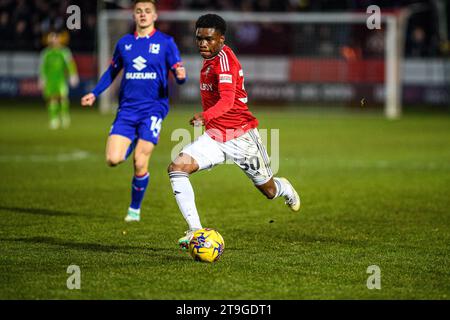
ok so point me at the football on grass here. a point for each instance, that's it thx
(206, 245)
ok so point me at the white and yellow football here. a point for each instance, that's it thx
(206, 245)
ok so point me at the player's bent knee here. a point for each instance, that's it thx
(179, 167)
(183, 163)
(170, 168)
(113, 161)
(176, 167)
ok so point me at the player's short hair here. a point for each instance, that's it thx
(145, 1)
(212, 20)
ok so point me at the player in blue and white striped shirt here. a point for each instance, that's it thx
(146, 58)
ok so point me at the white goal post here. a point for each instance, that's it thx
(392, 55)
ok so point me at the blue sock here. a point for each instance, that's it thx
(131, 148)
(138, 187)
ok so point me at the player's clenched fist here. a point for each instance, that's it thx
(180, 73)
(197, 120)
(88, 100)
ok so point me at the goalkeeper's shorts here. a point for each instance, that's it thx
(56, 89)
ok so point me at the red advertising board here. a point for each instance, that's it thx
(336, 71)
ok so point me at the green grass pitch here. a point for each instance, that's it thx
(374, 192)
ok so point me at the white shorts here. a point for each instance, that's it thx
(247, 151)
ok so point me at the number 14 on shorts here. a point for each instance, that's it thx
(155, 125)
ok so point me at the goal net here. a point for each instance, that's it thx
(300, 59)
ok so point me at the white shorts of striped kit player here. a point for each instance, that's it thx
(247, 151)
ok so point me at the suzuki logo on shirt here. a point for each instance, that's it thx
(154, 48)
(139, 63)
(140, 75)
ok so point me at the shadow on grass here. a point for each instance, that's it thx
(300, 239)
(97, 247)
(310, 239)
(37, 211)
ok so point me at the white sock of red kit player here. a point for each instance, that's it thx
(184, 194)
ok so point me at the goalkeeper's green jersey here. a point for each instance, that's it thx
(56, 66)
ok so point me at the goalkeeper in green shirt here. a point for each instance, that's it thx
(57, 67)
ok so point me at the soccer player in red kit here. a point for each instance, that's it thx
(231, 129)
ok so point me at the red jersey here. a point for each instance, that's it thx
(224, 98)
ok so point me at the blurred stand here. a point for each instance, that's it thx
(25, 23)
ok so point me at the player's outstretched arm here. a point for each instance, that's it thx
(108, 76)
(88, 100)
